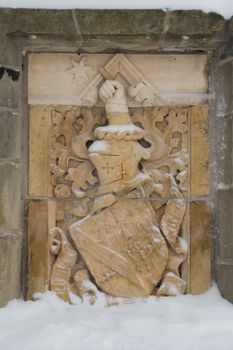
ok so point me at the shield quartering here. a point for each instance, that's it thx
(126, 257)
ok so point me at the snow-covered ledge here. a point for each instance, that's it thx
(78, 31)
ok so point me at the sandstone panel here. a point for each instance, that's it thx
(39, 121)
(121, 162)
(200, 235)
(41, 217)
(63, 79)
(10, 186)
(10, 262)
(199, 167)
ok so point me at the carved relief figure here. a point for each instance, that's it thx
(130, 185)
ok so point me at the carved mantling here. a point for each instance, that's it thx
(125, 174)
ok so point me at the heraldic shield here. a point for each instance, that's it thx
(126, 257)
(127, 243)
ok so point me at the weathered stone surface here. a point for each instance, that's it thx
(193, 29)
(115, 248)
(199, 169)
(112, 30)
(200, 265)
(94, 23)
(49, 173)
(120, 22)
(224, 197)
(231, 24)
(10, 262)
(10, 51)
(224, 152)
(9, 87)
(39, 177)
(225, 88)
(10, 179)
(116, 264)
(41, 217)
(225, 223)
(68, 79)
(194, 22)
(185, 234)
(61, 124)
(225, 280)
(154, 23)
(29, 21)
(10, 135)
(115, 30)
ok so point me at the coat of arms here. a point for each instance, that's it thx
(127, 249)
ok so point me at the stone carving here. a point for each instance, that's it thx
(64, 258)
(129, 176)
(139, 88)
(165, 132)
(149, 79)
(70, 134)
(79, 70)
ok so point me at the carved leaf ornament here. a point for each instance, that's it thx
(128, 172)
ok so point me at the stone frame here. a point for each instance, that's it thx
(23, 31)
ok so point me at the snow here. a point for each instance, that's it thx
(224, 7)
(125, 128)
(100, 146)
(202, 322)
(222, 186)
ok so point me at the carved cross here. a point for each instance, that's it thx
(107, 167)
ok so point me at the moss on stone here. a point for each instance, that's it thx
(194, 22)
(38, 21)
(120, 22)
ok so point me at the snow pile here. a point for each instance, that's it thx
(185, 322)
(223, 7)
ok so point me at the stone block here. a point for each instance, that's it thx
(194, 22)
(10, 262)
(200, 247)
(10, 196)
(9, 135)
(231, 24)
(120, 22)
(225, 88)
(225, 281)
(41, 217)
(224, 151)
(136, 29)
(110, 22)
(184, 42)
(199, 162)
(225, 223)
(30, 21)
(39, 173)
(180, 79)
(193, 29)
(10, 51)
(199, 26)
(9, 87)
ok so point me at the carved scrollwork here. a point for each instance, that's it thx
(128, 175)
(71, 170)
(166, 133)
(65, 257)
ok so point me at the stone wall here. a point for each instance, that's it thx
(224, 171)
(23, 31)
